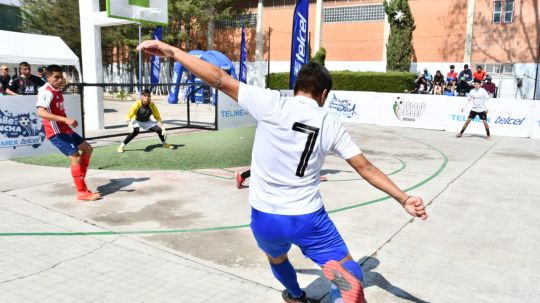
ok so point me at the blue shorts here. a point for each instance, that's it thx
(315, 234)
(67, 143)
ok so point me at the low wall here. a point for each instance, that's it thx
(506, 117)
(21, 130)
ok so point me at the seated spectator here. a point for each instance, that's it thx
(427, 75)
(25, 83)
(4, 76)
(450, 89)
(463, 88)
(467, 73)
(438, 78)
(421, 85)
(479, 74)
(452, 74)
(490, 87)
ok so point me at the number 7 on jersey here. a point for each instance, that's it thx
(313, 133)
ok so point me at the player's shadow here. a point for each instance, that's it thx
(150, 148)
(116, 185)
(325, 172)
(371, 278)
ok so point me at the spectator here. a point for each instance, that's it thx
(479, 74)
(450, 89)
(463, 88)
(422, 85)
(4, 76)
(490, 87)
(467, 73)
(42, 73)
(452, 75)
(25, 83)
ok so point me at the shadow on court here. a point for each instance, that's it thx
(371, 279)
(116, 185)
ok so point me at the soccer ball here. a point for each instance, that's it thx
(24, 121)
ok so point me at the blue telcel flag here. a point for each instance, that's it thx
(243, 55)
(156, 66)
(299, 47)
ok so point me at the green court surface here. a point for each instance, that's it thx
(226, 148)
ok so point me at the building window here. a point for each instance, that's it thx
(509, 11)
(364, 13)
(236, 21)
(498, 68)
(506, 15)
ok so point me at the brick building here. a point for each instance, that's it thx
(501, 35)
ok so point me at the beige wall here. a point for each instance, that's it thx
(439, 35)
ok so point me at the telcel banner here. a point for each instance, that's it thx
(299, 47)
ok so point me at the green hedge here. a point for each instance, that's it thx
(392, 82)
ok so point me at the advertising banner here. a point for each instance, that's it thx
(156, 64)
(243, 55)
(21, 130)
(535, 120)
(299, 46)
(406, 110)
(357, 107)
(506, 117)
(231, 115)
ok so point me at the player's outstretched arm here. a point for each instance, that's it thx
(43, 113)
(413, 205)
(207, 72)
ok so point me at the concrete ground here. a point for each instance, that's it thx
(181, 236)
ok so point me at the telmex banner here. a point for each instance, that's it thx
(21, 130)
(506, 117)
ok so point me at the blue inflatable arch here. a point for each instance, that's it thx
(214, 57)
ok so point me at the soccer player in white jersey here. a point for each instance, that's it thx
(479, 97)
(293, 136)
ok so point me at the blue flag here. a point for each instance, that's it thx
(243, 55)
(299, 48)
(156, 66)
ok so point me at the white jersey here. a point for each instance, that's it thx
(479, 99)
(292, 139)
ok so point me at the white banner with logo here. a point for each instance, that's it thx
(21, 130)
(406, 110)
(231, 115)
(357, 107)
(506, 117)
(535, 119)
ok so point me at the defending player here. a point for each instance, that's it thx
(50, 107)
(479, 97)
(292, 139)
(139, 116)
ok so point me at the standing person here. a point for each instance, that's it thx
(42, 73)
(293, 136)
(479, 97)
(4, 76)
(139, 117)
(50, 107)
(25, 83)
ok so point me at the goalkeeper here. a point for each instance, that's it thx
(139, 117)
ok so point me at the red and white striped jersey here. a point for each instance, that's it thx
(53, 101)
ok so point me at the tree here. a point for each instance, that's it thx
(56, 18)
(320, 56)
(399, 46)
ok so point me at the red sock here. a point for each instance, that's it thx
(85, 162)
(78, 177)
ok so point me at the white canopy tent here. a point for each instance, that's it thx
(35, 49)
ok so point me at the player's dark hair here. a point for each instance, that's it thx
(313, 78)
(51, 69)
(24, 64)
(146, 92)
